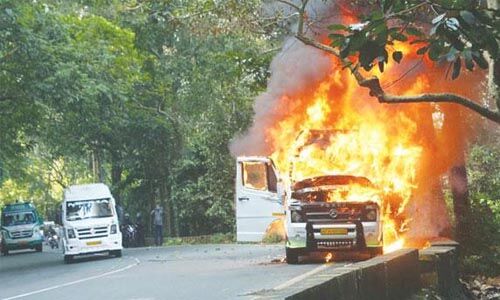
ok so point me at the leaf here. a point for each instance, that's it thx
(456, 68)
(397, 56)
(377, 15)
(434, 52)
(422, 50)
(336, 27)
(452, 54)
(336, 36)
(399, 36)
(480, 60)
(469, 65)
(468, 17)
(482, 17)
(356, 41)
(491, 45)
(438, 18)
(381, 66)
(414, 31)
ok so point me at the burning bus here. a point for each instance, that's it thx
(322, 212)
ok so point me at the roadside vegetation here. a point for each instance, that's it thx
(144, 96)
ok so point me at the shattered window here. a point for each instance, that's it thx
(255, 175)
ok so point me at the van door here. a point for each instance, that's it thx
(257, 201)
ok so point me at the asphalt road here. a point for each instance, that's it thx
(178, 272)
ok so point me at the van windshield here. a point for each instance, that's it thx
(88, 209)
(18, 218)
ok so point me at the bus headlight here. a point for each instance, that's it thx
(70, 233)
(5, 234)
(113, 229)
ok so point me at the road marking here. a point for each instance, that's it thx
(302, 277)
(137, 261)
(296, 279)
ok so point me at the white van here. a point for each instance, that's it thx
(90, 221)
(314, 221)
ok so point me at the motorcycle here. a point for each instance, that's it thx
(53, 241)
(129, 235)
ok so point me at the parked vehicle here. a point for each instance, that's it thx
(90, 221)
(316, 216)
(20, 228)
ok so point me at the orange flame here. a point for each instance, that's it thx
(372, 140)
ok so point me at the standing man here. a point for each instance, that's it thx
(157, 215)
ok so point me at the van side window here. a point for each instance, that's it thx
(255, 175)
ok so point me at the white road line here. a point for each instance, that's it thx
(302, 277)
(137, 261)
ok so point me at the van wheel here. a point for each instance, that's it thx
(38, 248)
(116, 253)
(292, 256)
(68, 259)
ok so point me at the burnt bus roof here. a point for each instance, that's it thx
(332, 180)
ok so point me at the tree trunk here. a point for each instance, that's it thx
(97, 168)
(166, 205)
(461, 204)
(116, 177)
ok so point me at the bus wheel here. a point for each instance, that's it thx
(68, 259)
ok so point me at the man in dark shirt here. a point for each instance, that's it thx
(157, 215)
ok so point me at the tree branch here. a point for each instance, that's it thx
(373, 83)
(409, 9)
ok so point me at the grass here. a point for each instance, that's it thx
(218, 238)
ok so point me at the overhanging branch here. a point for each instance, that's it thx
(373, 83)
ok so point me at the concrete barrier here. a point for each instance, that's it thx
(439, 269)
(392, 276)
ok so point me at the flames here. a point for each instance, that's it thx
(370, 140)
(404, 149)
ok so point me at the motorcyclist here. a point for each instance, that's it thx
(51, 231)
(52, 237)
(128, 231)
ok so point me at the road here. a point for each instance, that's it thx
(235, 271)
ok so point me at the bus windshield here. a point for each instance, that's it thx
(88, 209)
(18, 218)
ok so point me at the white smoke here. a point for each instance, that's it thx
(293, 70)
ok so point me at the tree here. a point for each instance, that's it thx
(462, 32)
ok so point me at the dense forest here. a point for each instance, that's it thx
(146, 97)
(142, 96)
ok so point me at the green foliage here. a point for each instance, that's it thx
(481, 251)
(141, 95)
(218, 238)
(458, 32)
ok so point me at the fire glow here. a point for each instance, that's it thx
(400, 148)
(373, 141)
